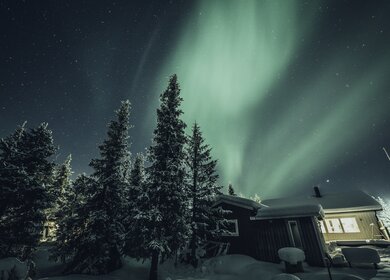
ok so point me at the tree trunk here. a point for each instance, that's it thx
(154, 266)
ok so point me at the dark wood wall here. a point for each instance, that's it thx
(261, 239)
(243, 243)
(363, 219)
(314, 245)
(271, 235)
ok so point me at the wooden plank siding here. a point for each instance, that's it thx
(261, 239)
(271, 235)
(363, 219)
(239, 244)
(313, 245)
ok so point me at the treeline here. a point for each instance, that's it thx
(147, 207)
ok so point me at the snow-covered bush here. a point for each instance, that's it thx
(385, 214)
(291, 255)
(256, 198)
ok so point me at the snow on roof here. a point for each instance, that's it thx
(350, 201)
(238, 201)
(303, 210)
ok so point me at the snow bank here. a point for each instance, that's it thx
(240, 267)
(236, 267)
(285, 276)
(229, 264)
(7, 264)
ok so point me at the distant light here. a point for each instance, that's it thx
(327, 180)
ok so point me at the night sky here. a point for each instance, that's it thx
(289, 94)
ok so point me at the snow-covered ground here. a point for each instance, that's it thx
(230, 267)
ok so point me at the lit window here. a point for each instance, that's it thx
(333, 226)
(230, 227)
(349, 225)
(322, 226)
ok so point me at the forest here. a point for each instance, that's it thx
(151, 206)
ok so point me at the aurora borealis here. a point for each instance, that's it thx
(288, 93)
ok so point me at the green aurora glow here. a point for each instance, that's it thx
(233, 61)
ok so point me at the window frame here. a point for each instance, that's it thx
(236, 230)
(329, 227)
(293, 238)
(322, 226)
(345, 229)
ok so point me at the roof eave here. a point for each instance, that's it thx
(255, 218)
(352, 209)
(234, 203)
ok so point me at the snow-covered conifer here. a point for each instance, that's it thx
(203, 191)
(61, 188)
(162, 215)
(133, 193)
(25, 177)
(231, 190)
(71, 219)
(101, 238)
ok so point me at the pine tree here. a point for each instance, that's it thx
(162, 213)
(203, 191)
(71, 218)
(137, 174)
(25, 176)
(61, 188)
(135, 189)
(101, 239)
(231, 190)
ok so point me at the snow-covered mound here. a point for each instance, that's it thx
(229, 264)
(291, 255)
(7, 264)
(240, 267)
(285, 276)
(361, 255)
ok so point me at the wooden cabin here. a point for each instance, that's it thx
(260, 231)
(350, 217)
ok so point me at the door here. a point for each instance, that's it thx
(295, 236)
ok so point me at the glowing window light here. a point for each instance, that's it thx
(333, 226)
(349, 225)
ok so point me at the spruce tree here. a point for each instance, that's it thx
(71, 217)
(101, 239)
(61, 188)
(162, 212)
(231, 190)
(137, 175)
(203, 191)
(25, 176)
(133, 193)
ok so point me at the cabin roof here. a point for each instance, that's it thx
(291, 211)
(351, 201)
(238, 201)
